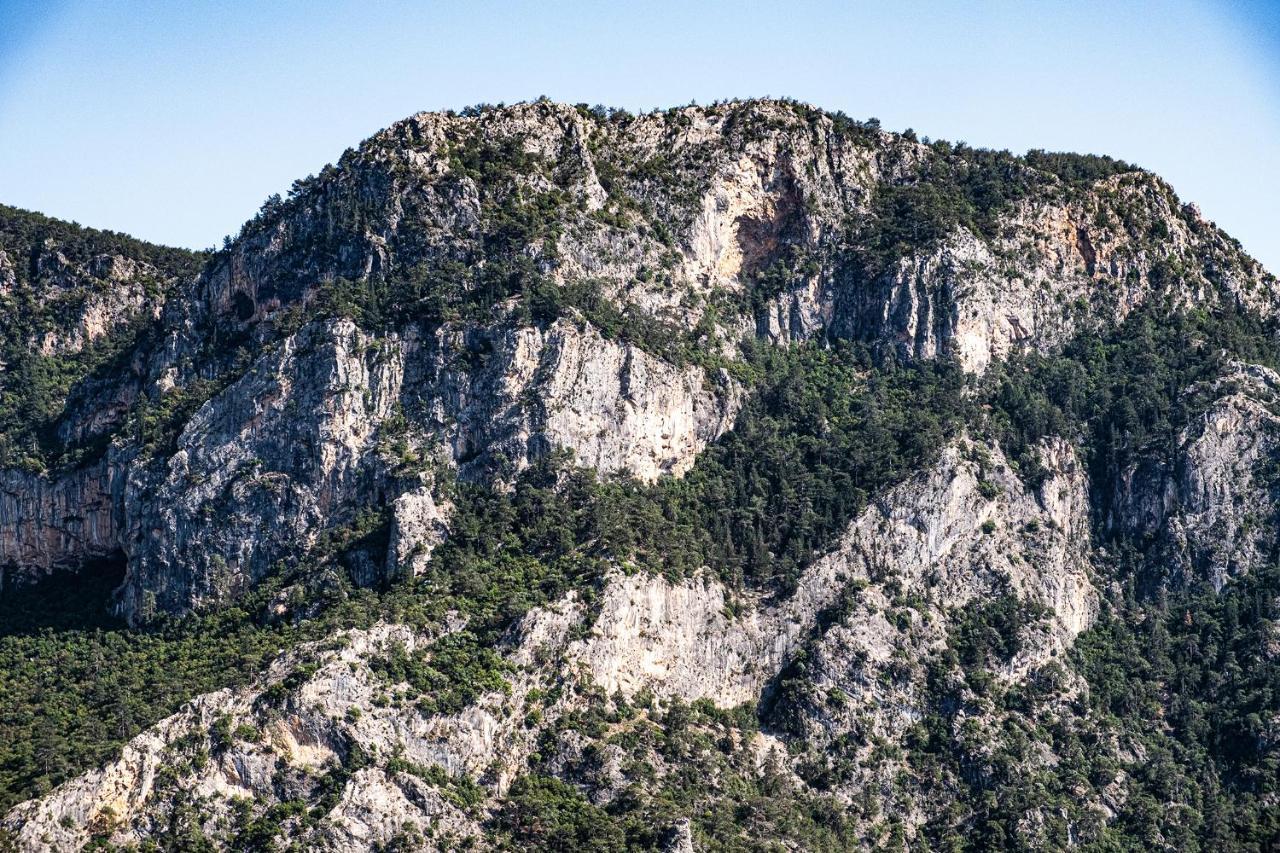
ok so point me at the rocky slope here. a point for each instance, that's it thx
(1211, 498)
(880, 495)
(317, 706)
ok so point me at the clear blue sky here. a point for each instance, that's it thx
(174, 120)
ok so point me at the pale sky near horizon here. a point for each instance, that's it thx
(173, 121)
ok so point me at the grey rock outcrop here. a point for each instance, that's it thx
(296, 446)
(268, 751)
(51, 522)
(262, 467)
(92, 300)
(418, 525)
(1054, 269)
(966, 534)
(960, 533)
(1212, 500)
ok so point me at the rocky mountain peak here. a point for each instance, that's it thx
(531, 456)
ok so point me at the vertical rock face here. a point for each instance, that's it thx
(91, 300)
(72, 301)
(8, 276)
(1210, 503)
(1053, 269)
(298, 445)
(124, 292)
(502, 396)
(974, 524)
(617, 407)
(960, 533)
(261, 468)
(967, 535)
(49, 522)
(418, 525)
(681, 640)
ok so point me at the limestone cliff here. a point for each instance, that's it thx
(1210, 500)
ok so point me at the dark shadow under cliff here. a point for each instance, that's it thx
(64, 600)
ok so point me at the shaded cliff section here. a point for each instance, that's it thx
(76, 305)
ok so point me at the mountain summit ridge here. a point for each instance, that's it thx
(500, 219)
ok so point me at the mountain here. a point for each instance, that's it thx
(728, 477)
